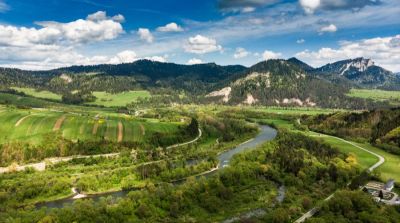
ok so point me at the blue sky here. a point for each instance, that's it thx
(45, 34)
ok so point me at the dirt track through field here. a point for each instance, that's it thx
(95, 127)
(19, 122)
(142, 129)
(59, 123)
(120, 132)
(81, 129)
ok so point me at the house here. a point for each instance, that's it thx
(389, 185)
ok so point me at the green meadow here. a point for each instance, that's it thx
(29, 125)
(39, 94)
(119, 99)
(378, 95)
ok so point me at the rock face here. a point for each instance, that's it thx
(361, 72)
(224, 93)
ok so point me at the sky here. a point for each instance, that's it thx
(47, 34)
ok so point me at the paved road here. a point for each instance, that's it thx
(314, 210)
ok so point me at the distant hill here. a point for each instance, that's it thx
(273, 82)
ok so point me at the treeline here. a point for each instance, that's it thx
(379, 127)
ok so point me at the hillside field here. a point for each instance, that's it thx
(29, 125)
(378, 95)
(38, 94)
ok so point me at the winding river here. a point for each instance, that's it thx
(266, 134)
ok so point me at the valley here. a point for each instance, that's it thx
(260, 148)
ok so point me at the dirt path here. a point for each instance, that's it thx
(59, 123)
(120, 132)
(185, 143)
(381, 160)
(81, 129)
(95, 127)
(142, 130)
(19, 122)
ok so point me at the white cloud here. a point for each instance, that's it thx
(194, 61)
(331, 28)
(240, 53)
(384, 51)
(170, 27)
(127, 56)
(102, 15)
(300, 41)
(201, 44)
(267, 55)
(145, 35)
(310, 6)
(161, 59)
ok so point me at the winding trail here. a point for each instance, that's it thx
(186, 143)
(381, 160)
(19, 122)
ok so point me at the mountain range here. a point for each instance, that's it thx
(272, 82)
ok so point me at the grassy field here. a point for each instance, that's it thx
(377, 95)
(39, 94)
(120, 99)
(29, 125)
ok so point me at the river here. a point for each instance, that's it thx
(266, 134)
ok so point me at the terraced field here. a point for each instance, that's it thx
(33, 126)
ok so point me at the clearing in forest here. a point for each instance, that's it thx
(59, 123)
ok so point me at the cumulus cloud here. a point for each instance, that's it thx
(161, 59)
(194, 61)
(170, 27)
(310, 6)
(300, 41)
(145, 35)
(268, 55)
(385, 51)
(240, 53)
(3, 6)
(243, 5)
(331, 28)
(201, 44)
(102, 15)
(127, 56)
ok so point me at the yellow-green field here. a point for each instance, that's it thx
(39, 94)
(377, 95)
(34, 125)
(119, 99)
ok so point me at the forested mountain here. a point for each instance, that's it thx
(282, 82)
(273, 82)
(361, 72)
